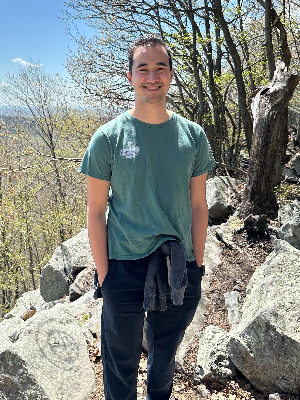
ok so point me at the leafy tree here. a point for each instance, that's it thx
(222, 53)
(42, 197)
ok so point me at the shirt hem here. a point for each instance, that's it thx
(139, 256)
(93, 175)
(210, 166)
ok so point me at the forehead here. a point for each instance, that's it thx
(148, 55)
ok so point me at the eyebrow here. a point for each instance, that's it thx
(145, 64)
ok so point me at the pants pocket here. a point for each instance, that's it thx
(108, 274)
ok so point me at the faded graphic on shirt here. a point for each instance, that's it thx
(130, 150)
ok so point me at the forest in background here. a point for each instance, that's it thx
(223, 54)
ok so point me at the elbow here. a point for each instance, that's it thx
(200, 210)
(95, 214)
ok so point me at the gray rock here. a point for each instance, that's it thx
(218, 191)
(15, 380)
(88, 311)
(274, 396)
(84, 282)
(265, 346)
(232, 302)
(77, 253)
(295, 163)
(8, 328)
(290, 230)
(93, 323)
(31, 300)
(290, 174)
(46, 359)
(203, 392)
(226, 230)
(212, 254)
(54, 280)
(92, 326)
(293, 117)
(68, 260)
(213, 363)
(83, 304)
(286, 211)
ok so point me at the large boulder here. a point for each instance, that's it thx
(45, 358)
(68, 260)
(287, 211)
(290, 230)
(265, 346)
(295, 163)
(218, 192)
(213, 363)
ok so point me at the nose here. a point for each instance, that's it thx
(152, 76)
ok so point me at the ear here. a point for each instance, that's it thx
(172, 74)
(129, 77)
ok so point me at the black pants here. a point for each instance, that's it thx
(122, 330)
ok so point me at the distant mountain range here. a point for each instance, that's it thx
(8, 111)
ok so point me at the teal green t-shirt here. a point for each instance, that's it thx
(149, 167)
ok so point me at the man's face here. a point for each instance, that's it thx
(151, 76)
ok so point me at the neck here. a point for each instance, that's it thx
(151, 115)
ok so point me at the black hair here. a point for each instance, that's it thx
(151, 40)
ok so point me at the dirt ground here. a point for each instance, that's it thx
(236, 269)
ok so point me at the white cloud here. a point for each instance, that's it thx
(26, 63)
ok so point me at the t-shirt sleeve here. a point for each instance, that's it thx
(204, 158)
(96, 161)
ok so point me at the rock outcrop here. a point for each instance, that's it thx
(218, 191)
(68, 260)
(265, 346)
(213, 362)
(291, 171)
(43, 353)
(83, 283)
(44, 358)
(290, 230)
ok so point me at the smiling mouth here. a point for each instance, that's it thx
(152, 87)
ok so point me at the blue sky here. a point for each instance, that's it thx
(31, 30)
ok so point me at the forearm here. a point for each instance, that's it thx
(199, 231)
(98, 242)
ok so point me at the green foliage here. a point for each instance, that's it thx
(42, 196)
(287, 192)
(205, 89)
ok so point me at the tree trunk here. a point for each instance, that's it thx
(283, 142)
(268, 37)
(242, 97)
(268, 107)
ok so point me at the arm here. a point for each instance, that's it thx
(199, 216)
(97, 194)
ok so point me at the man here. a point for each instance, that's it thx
(155, 163)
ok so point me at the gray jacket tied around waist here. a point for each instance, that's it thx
(158, 279)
